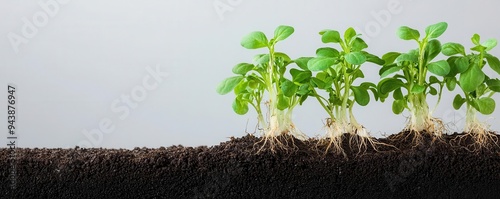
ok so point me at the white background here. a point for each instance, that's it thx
(86, 54)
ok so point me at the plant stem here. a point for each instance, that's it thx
(280, 120)
(422, 71)
(420, 117)
(352, 120)
(260, 116)
(345, 97)
(330, 112)
(470, 119)
(439, 97)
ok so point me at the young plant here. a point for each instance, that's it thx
(412, 77)
(478, 88)
(266, 74)
(337, 71)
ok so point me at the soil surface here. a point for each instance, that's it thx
(446, 168)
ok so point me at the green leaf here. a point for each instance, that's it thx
(481, 89)
(302, 62)
(407, 33)
(355, 58)
(417, 89)
(382, 97)
(450, 49)
(398, 106)
(334, 99)
(254, 81)
(242, 68)
(471, 79)
(390, 57)
(283, 56)
(436, 30)
(367, 85)
(330, 36)
(486, 105)
(358, 44)
(228, 84)
(432, 90)
(475, 39)
(331, 73)
(240, 107)
(479, 48)
(398, 94)
(489, 44)
(493, 62)
(320, 63)
(361, 95)
(493, 84)
(252, 84)
(461, 64)
(282, 32)
(299, 76)
(372, 87)
(302, 99)
(389, 69)
(241, 87)
(322, 76)
(327, 52)
(318, 83)
(453, 68)
(261, 59)
(373, 58)
(288, 87)
(458, 101)
(433, 79)
(388, 85)
(440, 68)
(283, 102)
(254, 40)
(432, 49)
(410, 57)
(357, 74)
(303, 90)
(281, 69)
(375, 93)
(451, 83)
(349, 34)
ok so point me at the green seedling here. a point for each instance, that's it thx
(478, 88)
(411, 75)
(266, 74)
(336, 72)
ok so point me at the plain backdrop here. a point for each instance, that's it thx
(84, 70)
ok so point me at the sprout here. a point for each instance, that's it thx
(478, 88)
(266, 74)
(412, 77)
(337, 71)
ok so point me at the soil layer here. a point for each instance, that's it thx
(446, 168)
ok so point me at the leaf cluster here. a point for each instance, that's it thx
(468, 72)
(265, 73)
(337, 69)
(410, 68)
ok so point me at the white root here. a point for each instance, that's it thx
(421, 120)
(479, 131)
(359, 135)
(334, 132)
(280, 123)
(362, 138)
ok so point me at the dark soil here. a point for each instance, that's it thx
(444, 168)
